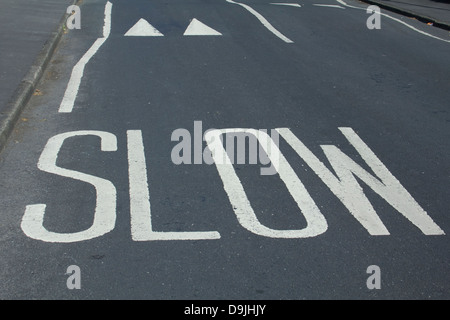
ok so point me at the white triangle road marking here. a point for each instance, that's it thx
(197, 28)
(143, 29)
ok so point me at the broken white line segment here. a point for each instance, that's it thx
(328, 5)
(287, 4)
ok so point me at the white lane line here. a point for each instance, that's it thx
(263, 21)
(328, 5)
(287, 4)
(397, 20)
(73, 86)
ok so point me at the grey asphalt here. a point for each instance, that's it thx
(387, 85)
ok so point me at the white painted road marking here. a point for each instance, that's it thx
(141, 221)
(73, 86)
(347, 189)
(263, 21)
(316, 223)
(287, 4)
(343, 184)
(105, 209)
(143, 29)
(197, 28)
(397, 20)
(328, 5)
(107, 20)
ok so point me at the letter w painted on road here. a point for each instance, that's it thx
(344, 186)
(350, 193)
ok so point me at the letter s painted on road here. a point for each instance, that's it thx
(105, 210)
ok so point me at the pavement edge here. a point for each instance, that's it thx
(26, 88)
(421, 17)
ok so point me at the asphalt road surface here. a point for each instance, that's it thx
(109, 189)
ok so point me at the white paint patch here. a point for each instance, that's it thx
(287, 4)
(73, 86)
(397, 20)
(143, 29)
(140, 210)
(263, 21)
(316, 223)
(197, 28)
(328, 5)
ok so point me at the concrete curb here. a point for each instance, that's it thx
(26, 88)
(421, 17)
